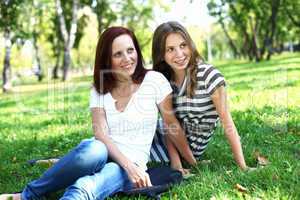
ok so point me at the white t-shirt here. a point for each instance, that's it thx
(132, 130)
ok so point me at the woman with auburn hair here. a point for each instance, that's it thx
(199, 97)
(124, 102)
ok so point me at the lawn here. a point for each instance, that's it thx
(48, 119)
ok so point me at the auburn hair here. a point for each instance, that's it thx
(104, 80)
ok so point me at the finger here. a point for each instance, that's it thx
(140, 183)
(135, 183)
(148, 181)
(143, 181)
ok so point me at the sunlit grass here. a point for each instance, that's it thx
(48, 119)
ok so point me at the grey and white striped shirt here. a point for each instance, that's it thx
(197, 114)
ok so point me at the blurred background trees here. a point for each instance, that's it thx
(46, 38)
(257, 29)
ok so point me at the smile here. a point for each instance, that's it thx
(127, 66)
(181, 61)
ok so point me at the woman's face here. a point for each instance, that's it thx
(124, 56)
(177, 51)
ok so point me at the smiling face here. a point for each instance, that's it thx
(124, 56)
(177, 52)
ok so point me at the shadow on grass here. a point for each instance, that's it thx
(258, 131)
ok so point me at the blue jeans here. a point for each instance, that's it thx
(86, 173)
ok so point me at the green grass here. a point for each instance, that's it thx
(48, 119)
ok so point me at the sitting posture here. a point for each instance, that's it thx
(124, 102)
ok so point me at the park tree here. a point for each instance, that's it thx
(10, 11)
(255, 22)
(292, 9)
(37, 12)
(105, 13)
(133, 14)
(67, 30)
(56, 39)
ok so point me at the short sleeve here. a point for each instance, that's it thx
(213, 79)
(163, 86)
(96, 99)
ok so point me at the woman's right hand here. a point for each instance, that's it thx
(138, 176)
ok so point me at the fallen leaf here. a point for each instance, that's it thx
(241, 188)
(262, 160)
(14, 159)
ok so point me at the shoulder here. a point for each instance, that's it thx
(205, 70)
(154, 76)
(204, 67)
(95, 93)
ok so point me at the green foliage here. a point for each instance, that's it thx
(48, 119)
(262, 27)
(10, 12)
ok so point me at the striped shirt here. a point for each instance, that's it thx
(197, 115)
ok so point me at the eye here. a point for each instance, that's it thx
(183, 45)
(130, 50)
(117, 54)
(169, 49)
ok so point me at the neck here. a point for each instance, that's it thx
(179, 76)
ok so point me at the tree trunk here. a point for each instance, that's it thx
(68, 37)
(66, 63)
(275, 6)
(255, 48)
(6, 74)
(56, 67)
(231, 43)
(39, 72)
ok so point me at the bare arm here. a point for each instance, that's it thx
(100, 128)
(219, 98)
(175, 134)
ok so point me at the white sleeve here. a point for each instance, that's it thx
(96, 99)
(163, 87)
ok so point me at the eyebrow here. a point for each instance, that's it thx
(179, 44)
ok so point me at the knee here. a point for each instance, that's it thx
(91, 151)
(81, 189)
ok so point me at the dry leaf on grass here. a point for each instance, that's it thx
(261, 160)
(241, 188)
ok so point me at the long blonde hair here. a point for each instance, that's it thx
(158, 51)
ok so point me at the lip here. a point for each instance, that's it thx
(127, 66)
(181, 61)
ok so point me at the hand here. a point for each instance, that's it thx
(249, 169)
(137, 176)
(178, 166)
(184, 172)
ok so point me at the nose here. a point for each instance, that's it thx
(179, 52)
(126, 57)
